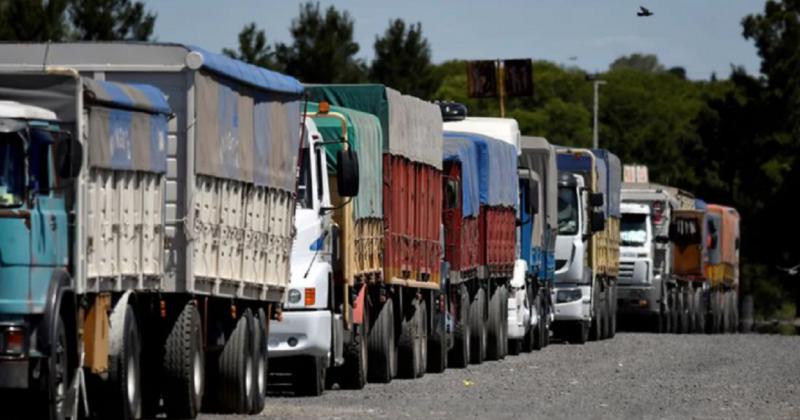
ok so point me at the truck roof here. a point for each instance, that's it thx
(634, 208)
(505, 129)
(14, 109)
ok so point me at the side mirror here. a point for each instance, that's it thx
(347, 172)
(662, 239)
(69, 157)
(598, 221)
(596, 199)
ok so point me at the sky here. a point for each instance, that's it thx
(703, 36)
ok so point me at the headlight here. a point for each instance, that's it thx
(294, 296)
(569, 295)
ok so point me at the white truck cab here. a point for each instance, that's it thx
(636, 244)
(572, 293)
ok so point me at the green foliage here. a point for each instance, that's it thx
(253, 48)
(35, 21)
(647, 63)
(323, 50)
(403, 60)
(63, 20)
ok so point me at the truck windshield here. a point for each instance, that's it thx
(567, 211)
(12, 170)
(304, 190)
(633, 229)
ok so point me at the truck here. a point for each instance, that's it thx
(158, 267)
(390, 253)
(648, 289)
(706, 259)
(587, 246)
(487, 279)
(319, 341)
(534, 274)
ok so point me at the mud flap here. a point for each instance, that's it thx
(358, 306)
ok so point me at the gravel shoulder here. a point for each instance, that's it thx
(631, 376)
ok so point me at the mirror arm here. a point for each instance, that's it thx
(334, 208)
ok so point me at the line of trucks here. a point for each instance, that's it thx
(180, 228)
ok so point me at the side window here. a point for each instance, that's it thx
(40, 160)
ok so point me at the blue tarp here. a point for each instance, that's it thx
(465, 152)
(127, 126)
(700, 204)
(497, 168)
(609, 175)
(248, 73)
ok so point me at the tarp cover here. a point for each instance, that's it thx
(614, 180)
(538, 155)
(127, 126)
(364, 134)
(609, 180)
(247, 73)
(465, 152)
(246, 134)
(497, 169)
(412, 128)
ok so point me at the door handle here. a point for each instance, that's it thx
(53, 223)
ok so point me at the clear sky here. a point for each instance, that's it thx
(700, 35)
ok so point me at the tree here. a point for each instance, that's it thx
(403, 60)
(647, 63)
(36, 21)
(253, 48)
(111, 20)
(323, 50)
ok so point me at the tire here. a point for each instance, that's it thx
(310, 377)
(124, 392)
(700, 312)
(260, 362)
(735, 306)
(580, 333)
(494, 350)
(409, 347)
(382, 356)
(504, 319)
(183, 365)
(726, 313)
(459, 356)
(422, 338)
(437, 342)
(673, 312)
(477, 325)
(235, 368)
(596, 332)
(681, 310)
(612, 313)
(57, 377)
(534, 339)
(606, 330)
(353, 373)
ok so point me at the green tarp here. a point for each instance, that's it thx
(365, 135)
(411, 127)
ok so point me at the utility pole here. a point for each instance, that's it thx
(596, 84)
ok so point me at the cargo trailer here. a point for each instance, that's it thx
(188, 309)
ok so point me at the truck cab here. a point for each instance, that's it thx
(573, 287)
(641, 275)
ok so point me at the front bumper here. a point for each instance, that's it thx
(519, 317)
(301, 333)
(635, 300)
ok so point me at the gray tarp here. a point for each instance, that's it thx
(244, 134)
(540, 156)
(57, 93)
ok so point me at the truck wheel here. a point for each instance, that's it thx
(409, 346)
(437, 342)
(681, 310)
(494, 349)
(459, 355)
(504, 321)
(612, 313)
(310, 377)
(596, 332)
(673, 312)
(477, 326)
(124, 400)
(353, 373)
(580, 334)
(235, 385)
(700, 312)
(606, 325)
(726, 312)
(183, 365)
(57, 377)
(534, 338)
(422, 338)
(735, 306)
(381, 345)
(260, 362)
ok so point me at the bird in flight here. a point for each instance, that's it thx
(644, 12)
(791, 271)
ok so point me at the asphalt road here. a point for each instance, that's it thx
(630, 376)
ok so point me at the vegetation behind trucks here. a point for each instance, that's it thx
(587, 247)
(228, 205)
(400, 290)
